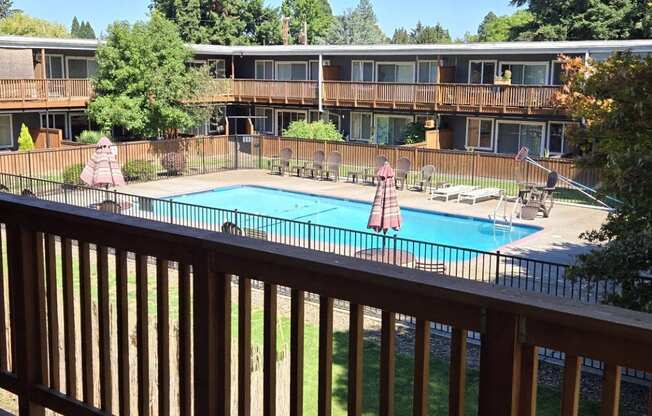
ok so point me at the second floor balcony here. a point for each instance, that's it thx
(454, 98)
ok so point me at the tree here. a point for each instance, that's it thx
(401, 36)
(6, 8)
(358, 26)
(586, 20)
(503, 28)
(317, 14)
(422, 34)
(20, 24)
(82, 30)
(318, 130)
(25, 141)
(142, 82)
(613, 97)
(228, 22)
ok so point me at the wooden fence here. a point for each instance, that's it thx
(216, 153)
(513, 324)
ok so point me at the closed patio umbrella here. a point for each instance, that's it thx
(385, 212)
(103, 168)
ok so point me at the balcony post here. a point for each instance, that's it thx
(26, 294)
(500, 360)
(321, 83)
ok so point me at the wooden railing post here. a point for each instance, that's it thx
(500, 359)
(23, 248)
(529, 373)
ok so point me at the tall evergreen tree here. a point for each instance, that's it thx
(227, 22)
(7, 8)
(503, 28)
(317, 14)
(401, 36)
(586, 20)
(358, 26)
(74, 28)
(423, 34)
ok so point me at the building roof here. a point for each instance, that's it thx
(497, 48)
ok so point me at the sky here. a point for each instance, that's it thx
(458, 16)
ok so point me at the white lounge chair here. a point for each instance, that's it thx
(480, 193)
(450, 191)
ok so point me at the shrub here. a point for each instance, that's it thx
(138, 169)
(174, 163)
(414, 133)
(319, 130)
(25, 141)
(71, 174)
(90, 137)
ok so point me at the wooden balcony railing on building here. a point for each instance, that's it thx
(44, 93)
(466, 98)
(513, 324)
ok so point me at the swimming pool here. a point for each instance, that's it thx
(427, 226)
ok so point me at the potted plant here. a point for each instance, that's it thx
(505, 79)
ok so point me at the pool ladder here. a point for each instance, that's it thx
(506, 222)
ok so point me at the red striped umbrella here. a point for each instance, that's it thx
(103, 168)
(385, 212)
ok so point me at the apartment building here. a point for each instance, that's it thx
(371, 93)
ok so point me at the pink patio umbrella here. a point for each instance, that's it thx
(385, 212)
(103, 168)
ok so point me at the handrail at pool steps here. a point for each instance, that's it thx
(149, 160)
(490, 267)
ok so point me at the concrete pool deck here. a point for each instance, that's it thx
(558, 242)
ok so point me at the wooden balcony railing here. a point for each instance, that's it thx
(44, 92)
(425, 97)
(42, 235)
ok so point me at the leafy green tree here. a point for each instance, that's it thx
(358, 26)
(401, 36)
(142, 82)
(25, 141)
(503, 28)
(586, 20)
(318, 130)
(422, 34)
(7, 8)
(227, 22)
(613, 97)
(316, 13)
(20, 24)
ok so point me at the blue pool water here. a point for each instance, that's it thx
(427, 226)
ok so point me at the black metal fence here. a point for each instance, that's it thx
(490, 267)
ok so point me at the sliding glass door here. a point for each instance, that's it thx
(391, 129)
(514, 135)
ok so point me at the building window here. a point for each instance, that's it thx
(427, 72)
(56, 121)
(264, 70)
(362, 71)
(217, 68)
(327, 116)
(526, 73)
(264, 120)
(79, 122)
(557, 72)
(6, 131)
(479, 133)
(399, 72)
(391, 129)
(513, 135)
(314, 68)
(217, 120)
(361, 127)
(557, 143)
(482, 72)
(54, 66)
(81, 68)
(285, 117)
(291, 71)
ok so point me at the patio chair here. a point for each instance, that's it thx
(451, 191)
(254, 233)
(427, 172)
(370, 173)
(543, 198)
(282, 163)
(332, 168)
(317, 165)
(27, 192)
(230, 228)
(428, 266)
(3, 188)
(403, 166)
(109, 206)
(479, 194)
